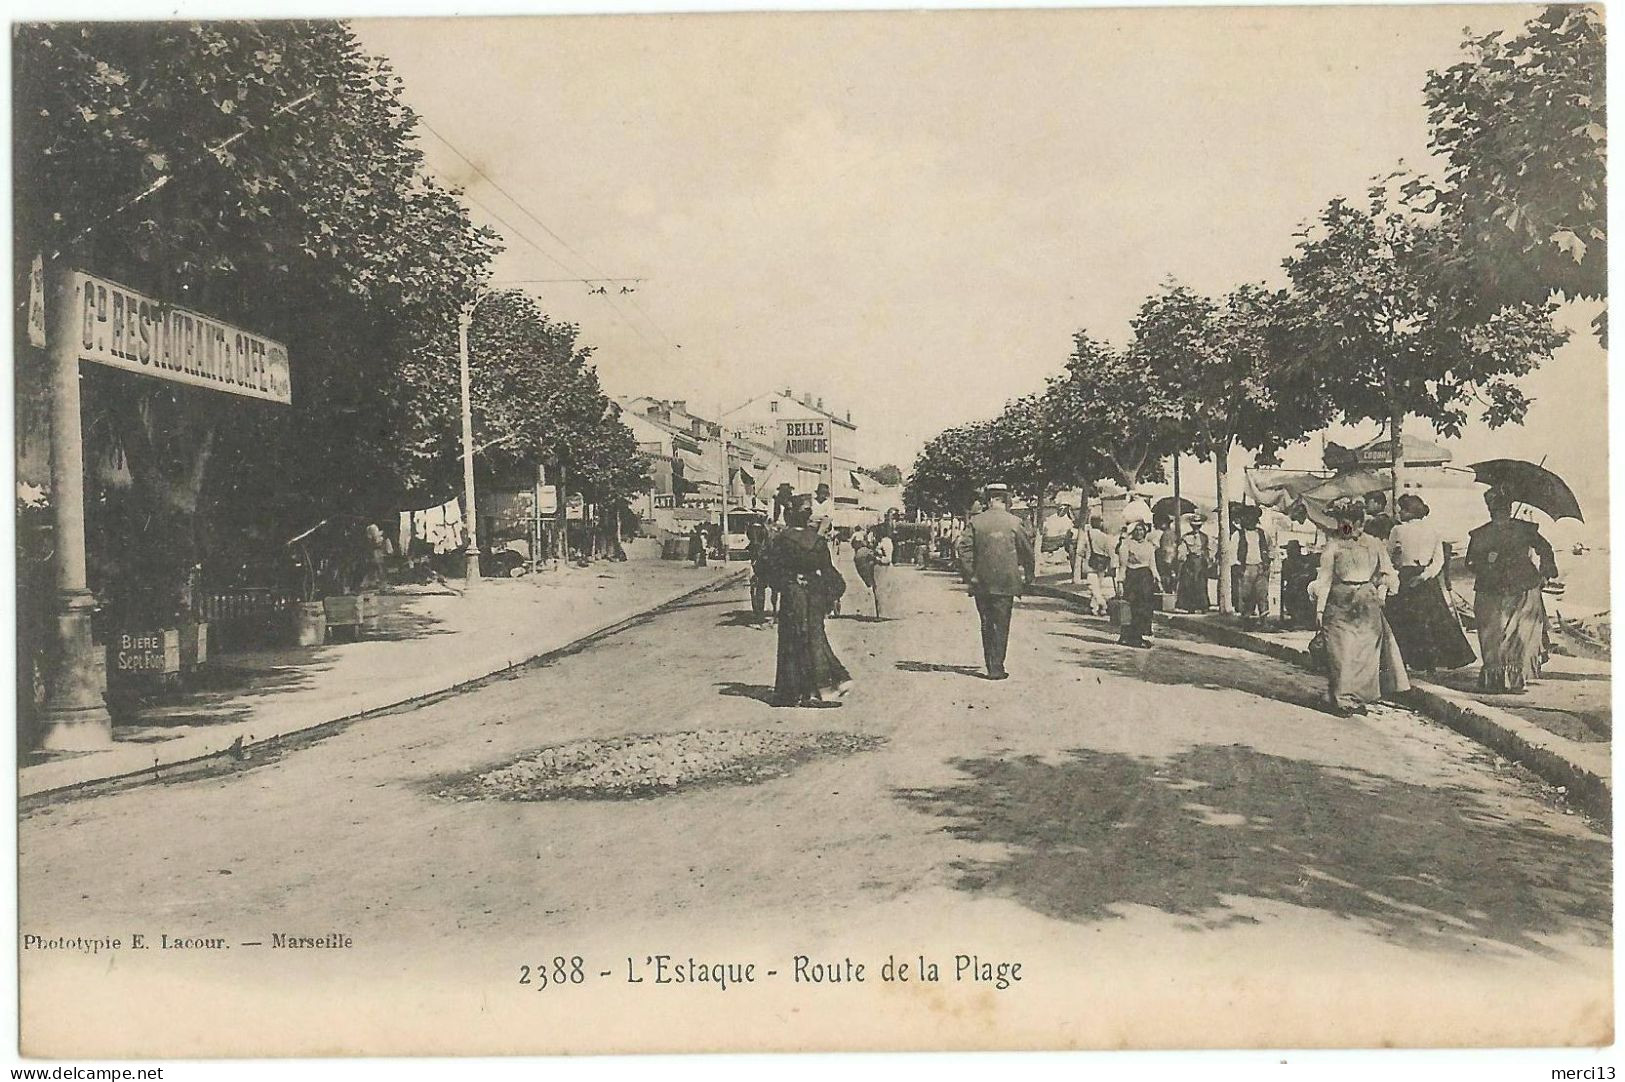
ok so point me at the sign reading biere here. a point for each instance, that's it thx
(124, 329)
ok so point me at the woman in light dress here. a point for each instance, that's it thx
(1356, 576)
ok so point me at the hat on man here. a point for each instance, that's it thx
(1001, 491)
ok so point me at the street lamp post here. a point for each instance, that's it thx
(471, 556)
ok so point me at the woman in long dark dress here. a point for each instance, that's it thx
(1194, 564)
(1421, 617)
(1137, 556)
(797, 563)
(1508, 559)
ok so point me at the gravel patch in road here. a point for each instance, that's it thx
(629, 767)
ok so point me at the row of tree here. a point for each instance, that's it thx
(267, 173)
(1428, 299)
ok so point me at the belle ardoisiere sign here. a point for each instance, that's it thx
(124, 329)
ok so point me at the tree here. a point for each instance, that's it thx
(888, 474)
(1381, 333)
(949, 470)
(1108, 417)
(264, 173)
(1226, 366)
(536, 399)
(1522, 123)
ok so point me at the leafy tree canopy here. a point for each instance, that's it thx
(1382, 334)
(1522, 123)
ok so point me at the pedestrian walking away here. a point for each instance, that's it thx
(863, 559)
(1096, 559)
(997, 561)
(757, 535)
(1424, 622)
(797, 563)
(1509, 559)
(1168, 551)
(1137, 556)
(1356, 576)
(697, 546)
(881, 586)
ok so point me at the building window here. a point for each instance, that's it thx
(773, 405)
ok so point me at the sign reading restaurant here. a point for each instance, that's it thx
(124, 329)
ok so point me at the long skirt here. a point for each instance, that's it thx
(1167, 572)
(1425, 625)
(1192, 593)
(1511, 638)
(806, 664)
(1363, 659)
(884, 587)
(1140, 591)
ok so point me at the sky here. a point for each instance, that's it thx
(910, 214)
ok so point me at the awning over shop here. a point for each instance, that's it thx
(1281, 489)
(857, 517)
(697, 470)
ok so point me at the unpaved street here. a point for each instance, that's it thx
(1172, 842)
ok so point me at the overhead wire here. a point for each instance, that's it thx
(526, 211)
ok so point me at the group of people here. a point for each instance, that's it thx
(1377, 592)
(1180, 559)
(1381, 606)
(1166, 555)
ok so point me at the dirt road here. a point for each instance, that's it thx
(1176, 846)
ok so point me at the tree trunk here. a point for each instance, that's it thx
(1396, 457)
(1038, 530)
(1221, 470)
(1396, 428)
(563, 520)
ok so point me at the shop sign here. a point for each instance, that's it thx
(124, 329)
(550, 500)
(808, 437)
(152, 653)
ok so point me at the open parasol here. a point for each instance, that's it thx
(1165, 507)
(1527, 482)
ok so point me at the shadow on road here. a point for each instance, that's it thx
(1166, 663)
(759, 692)
(743, 618)
(1428, 866)
(928, 666)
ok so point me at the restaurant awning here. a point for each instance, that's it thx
(697, 470)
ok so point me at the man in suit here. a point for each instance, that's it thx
(996, 560)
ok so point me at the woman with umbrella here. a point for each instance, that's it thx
(1509, 559)
(1422, 619)
(797, 563)
(1356, 576)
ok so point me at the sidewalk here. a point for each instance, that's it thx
(1561, 729)
(428, 643)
